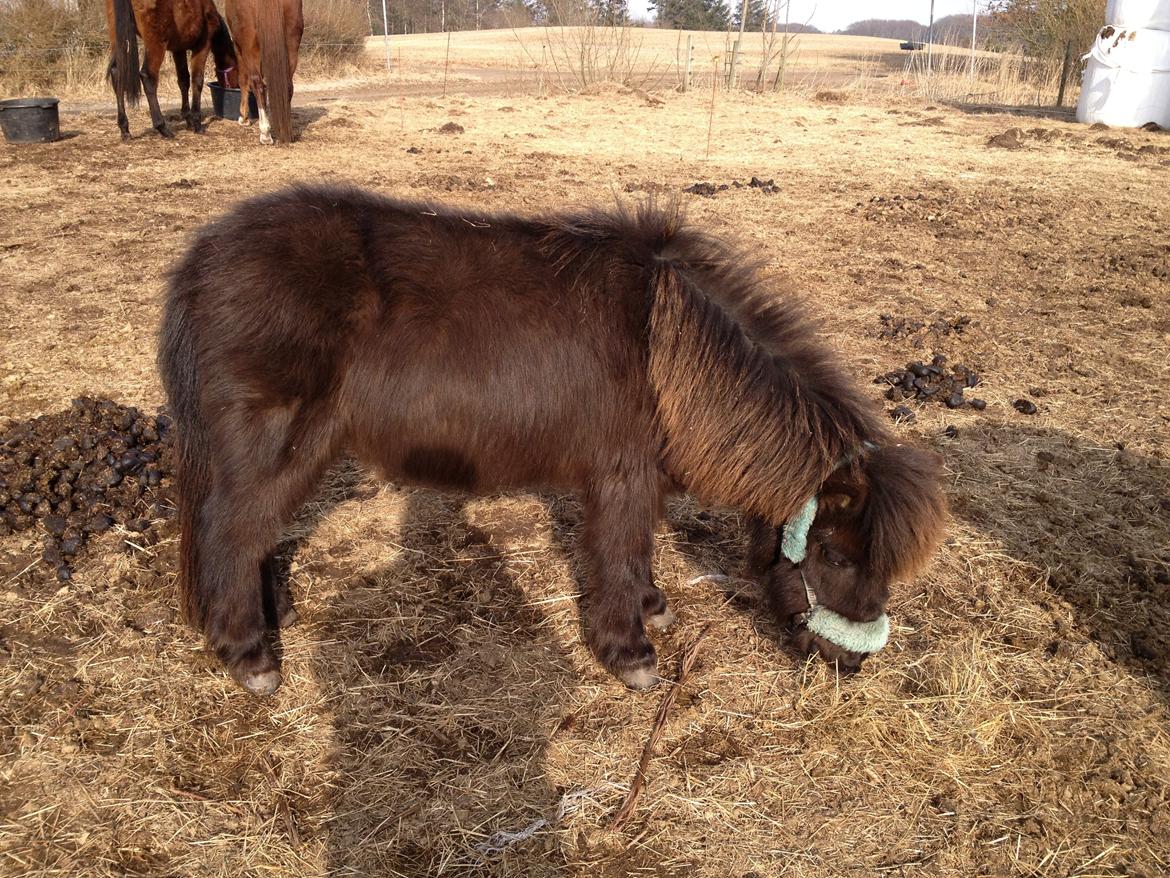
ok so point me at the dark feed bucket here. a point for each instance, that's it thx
(225, 102)
(30, 120)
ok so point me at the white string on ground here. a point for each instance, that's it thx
(503, 839)
(718, 579)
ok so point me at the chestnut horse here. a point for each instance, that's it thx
(175, 26)
(619, 354)
(267, 34)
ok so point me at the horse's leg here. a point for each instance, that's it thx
(620, 511)
(261, 91)
(198, 68)
(151, 65)
(184, 79)
(123, 122)
(261, 482)
(245, 90)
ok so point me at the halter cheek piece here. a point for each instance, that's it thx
(819, 619)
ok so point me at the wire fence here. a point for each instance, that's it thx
(567, 59)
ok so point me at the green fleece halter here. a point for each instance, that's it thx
(835, 628)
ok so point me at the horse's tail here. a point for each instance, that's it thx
(123, 71)
(754, 420)
(275, 67)
(177, 362)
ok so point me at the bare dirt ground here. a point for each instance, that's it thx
(437, 689)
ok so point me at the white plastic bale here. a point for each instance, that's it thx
(1126, 83)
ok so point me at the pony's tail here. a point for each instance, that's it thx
(123, 72)
(275, 68)
(177, 362)
(743, 426)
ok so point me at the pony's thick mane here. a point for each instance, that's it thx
(754, 410)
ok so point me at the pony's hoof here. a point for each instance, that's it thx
(263, 683)
(663, 620)
(244, 122)
(125, 136)
(165, 131)
(635, 663)
(266, 139)
(288, 618)
(640, 678)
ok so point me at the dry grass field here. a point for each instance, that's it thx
(438, 692)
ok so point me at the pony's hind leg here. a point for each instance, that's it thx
(267, 464)
(261, 92)
(620, 515)
(123, 121)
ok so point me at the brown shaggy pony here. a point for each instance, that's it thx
(622, 355)
(175, 26)
(267, 34)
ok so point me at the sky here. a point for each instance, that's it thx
(831, 15)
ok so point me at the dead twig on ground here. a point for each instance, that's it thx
(690, 654)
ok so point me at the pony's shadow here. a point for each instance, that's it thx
(443, 686)
(1092, 522)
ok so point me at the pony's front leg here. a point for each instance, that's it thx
(245, 89)
(620, 512)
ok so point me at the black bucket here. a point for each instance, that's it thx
(225, 102)
(30, 120)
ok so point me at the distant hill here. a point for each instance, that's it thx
(890, 28)
(952, 30)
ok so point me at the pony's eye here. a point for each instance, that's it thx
(835, 558)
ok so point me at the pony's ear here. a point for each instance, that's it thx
(843, 495)
(839, 501)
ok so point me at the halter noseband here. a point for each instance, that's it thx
(853, 636)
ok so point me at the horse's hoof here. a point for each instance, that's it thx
(244, 122)
(663, 620)
(266, 139)
(165, 131)
(263, 683)
(640, 678)
(288, 618)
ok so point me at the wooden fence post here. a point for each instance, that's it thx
(689, 68)
(1064, 73)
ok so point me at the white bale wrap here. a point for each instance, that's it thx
(1153, 14)
(1127, 78)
